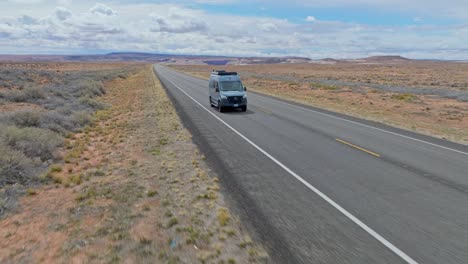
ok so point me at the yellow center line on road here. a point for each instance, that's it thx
(356, 147)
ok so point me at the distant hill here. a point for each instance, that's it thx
(153, 58)
(372, 59)
(387, 59)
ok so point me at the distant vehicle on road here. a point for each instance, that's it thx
(227, 91)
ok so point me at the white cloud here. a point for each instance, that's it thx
(101, 9)
(177, 21)
(174, 28)
(310, 19)
(62, 13)
(27, 20)
(268, 27)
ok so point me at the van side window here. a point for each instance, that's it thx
(215, 84)
(211, 84)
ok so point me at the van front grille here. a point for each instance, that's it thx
(235, 99)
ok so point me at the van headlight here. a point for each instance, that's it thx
(223, 97)
(244, 96)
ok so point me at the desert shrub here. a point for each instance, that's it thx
(322, 86)
(56, 122)
(81, 118)
(32, 93)
(29, 94)
(63, 122)
(15, 167)
(23, 118)
(91, 89)
(404, 97)
(31, 141)
(14, 96)
(91, 103)
(8, 199)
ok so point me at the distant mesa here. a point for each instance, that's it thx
(372, 59)
(216, 62)
(386, 59)
(330, 60)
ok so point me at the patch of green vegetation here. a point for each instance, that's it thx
(223, 216)
(88, 194)
(155, 151)
(247, 241)
(322, 86)
(152, 193)
(172, 222)
(210, 195)
(165, 202)
(194, 235)
(55, 168)
(163, 141)
(31, 192)
(404, 97)
(76, 179)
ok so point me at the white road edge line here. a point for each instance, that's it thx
(364, 125)
(358, 222)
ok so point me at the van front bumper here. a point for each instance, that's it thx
(234, 102)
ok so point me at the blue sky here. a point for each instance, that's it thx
(313, 28)
(362, 15)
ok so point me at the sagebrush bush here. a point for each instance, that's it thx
(57, 122)
(81, 118)
(23, 118)
(15, 167)
(90, 89)
(29, 94)
(91, 103)
(31, 141)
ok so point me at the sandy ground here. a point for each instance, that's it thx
(428, 98)
(132, 188)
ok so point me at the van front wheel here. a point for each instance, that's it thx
(220, 107)
(244, 108)
(211, 102)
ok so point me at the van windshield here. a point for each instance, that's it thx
(228, 86)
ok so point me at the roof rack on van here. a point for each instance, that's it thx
(222, 72)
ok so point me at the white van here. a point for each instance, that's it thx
(226, 91)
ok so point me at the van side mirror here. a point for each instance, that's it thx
(245, 88)
(217, 90)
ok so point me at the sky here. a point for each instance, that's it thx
(419, 29)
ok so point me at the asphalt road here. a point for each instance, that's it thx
(320, 187)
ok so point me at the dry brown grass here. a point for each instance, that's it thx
(132, 189)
